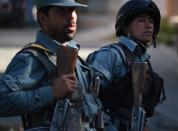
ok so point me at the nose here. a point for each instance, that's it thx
(71, 13)
(149, 23)
(74, 15)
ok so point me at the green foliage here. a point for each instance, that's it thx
(167, 32)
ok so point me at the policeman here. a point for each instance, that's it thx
(137, 25)
(29, 86)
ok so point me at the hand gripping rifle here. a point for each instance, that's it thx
(66, 61)
(138, 80)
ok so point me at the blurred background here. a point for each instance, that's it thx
(95, 29)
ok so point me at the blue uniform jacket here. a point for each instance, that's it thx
(109, 63)
(22, 88)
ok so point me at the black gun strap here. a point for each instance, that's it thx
(42, 54)
(126, 55)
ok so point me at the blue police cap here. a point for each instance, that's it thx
(62, 3)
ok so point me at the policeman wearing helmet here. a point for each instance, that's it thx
(137, 25)
(134, 9)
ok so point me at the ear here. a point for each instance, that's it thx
(126, 30)
(41, 17)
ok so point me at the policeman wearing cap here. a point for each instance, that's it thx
(137, 25)
(30, 87)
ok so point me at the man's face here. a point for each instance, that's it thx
(141, 29)
(61, 23)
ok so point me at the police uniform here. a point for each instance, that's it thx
(112, 68)
(25, 89)
(26, 84)
(113, 64)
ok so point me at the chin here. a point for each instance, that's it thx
(69, 38)
(147, 40)
(72, 35)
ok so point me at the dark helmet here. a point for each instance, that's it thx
(132, 9)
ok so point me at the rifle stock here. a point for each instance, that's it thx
(66, 59)
(138, 80)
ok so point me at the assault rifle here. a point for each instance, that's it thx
(66, 61)
(138, 80)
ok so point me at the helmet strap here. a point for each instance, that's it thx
(154, 41)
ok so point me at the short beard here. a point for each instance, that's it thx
(64, 37)
(68, 37)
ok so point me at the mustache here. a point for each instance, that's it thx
(68, 23)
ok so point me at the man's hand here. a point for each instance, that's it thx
(63, 85)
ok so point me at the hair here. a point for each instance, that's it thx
(45, 10)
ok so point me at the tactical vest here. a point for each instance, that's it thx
(84, 113)
(117, 98)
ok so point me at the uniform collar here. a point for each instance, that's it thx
(48, 42)
(132, 46)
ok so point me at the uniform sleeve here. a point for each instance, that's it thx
(107, 63)
(23, 88)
